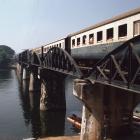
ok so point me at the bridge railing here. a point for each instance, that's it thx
(58, 59)
(121, 67)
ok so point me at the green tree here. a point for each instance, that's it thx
(6, 55)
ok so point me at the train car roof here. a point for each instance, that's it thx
(54, 41)
(46, 44)
(113, 19)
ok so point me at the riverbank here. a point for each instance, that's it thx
(62, 138)
(12, 66)
(8, 67)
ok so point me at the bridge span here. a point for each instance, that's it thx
(105, 114)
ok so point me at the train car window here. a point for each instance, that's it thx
(122, 30)
(99, 36)
(78, 41)
(84, 39)
(73, 42)
(109, 33)
(137, 28)
(91, 38)
(59, 45)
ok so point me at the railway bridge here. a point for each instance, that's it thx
(109, 91)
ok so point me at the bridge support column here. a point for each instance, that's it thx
(107, 111)
(121, 105)
(17, 68)
(92, 115)
(31, 83)
(52, 91)
(25, 74)
(43, 97)
(34, 84)
(19, 71)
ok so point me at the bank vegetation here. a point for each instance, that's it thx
(6, 56)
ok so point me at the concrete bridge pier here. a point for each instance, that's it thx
(17, 68)
(34, 83)
(43, 96)
(52, 91)
(107, 111)
(92, 115)
(119, 112)
(19, 71)
(25, 80)
(25, 75)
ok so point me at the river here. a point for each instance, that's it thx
(19, 117)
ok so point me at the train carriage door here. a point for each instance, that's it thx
(137, 28)
(68, 44)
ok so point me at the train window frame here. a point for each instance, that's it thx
(84, 39)
(73, 42)
(110, 34)
(91, 38)
(78, 41)
(122, 31)
(137, 24)
(99, 36)
(45, 49)
(59, 45)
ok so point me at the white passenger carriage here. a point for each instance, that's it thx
(59, 43)
(36, 50)
(97, 40)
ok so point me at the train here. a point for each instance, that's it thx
(96, 41)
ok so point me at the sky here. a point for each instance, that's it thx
(26, 24)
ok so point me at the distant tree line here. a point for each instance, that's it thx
(6, 56)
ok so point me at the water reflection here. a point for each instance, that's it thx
(53, 123)
(20, 115)
(5, 76)
(46, 123)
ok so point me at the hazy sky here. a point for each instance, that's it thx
(32, 23)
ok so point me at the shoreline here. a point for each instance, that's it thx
(8, 67)
(61, 138)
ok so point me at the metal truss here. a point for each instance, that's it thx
(59, 60)
(56, 59)
(121, 67)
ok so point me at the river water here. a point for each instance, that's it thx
(19, 117)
